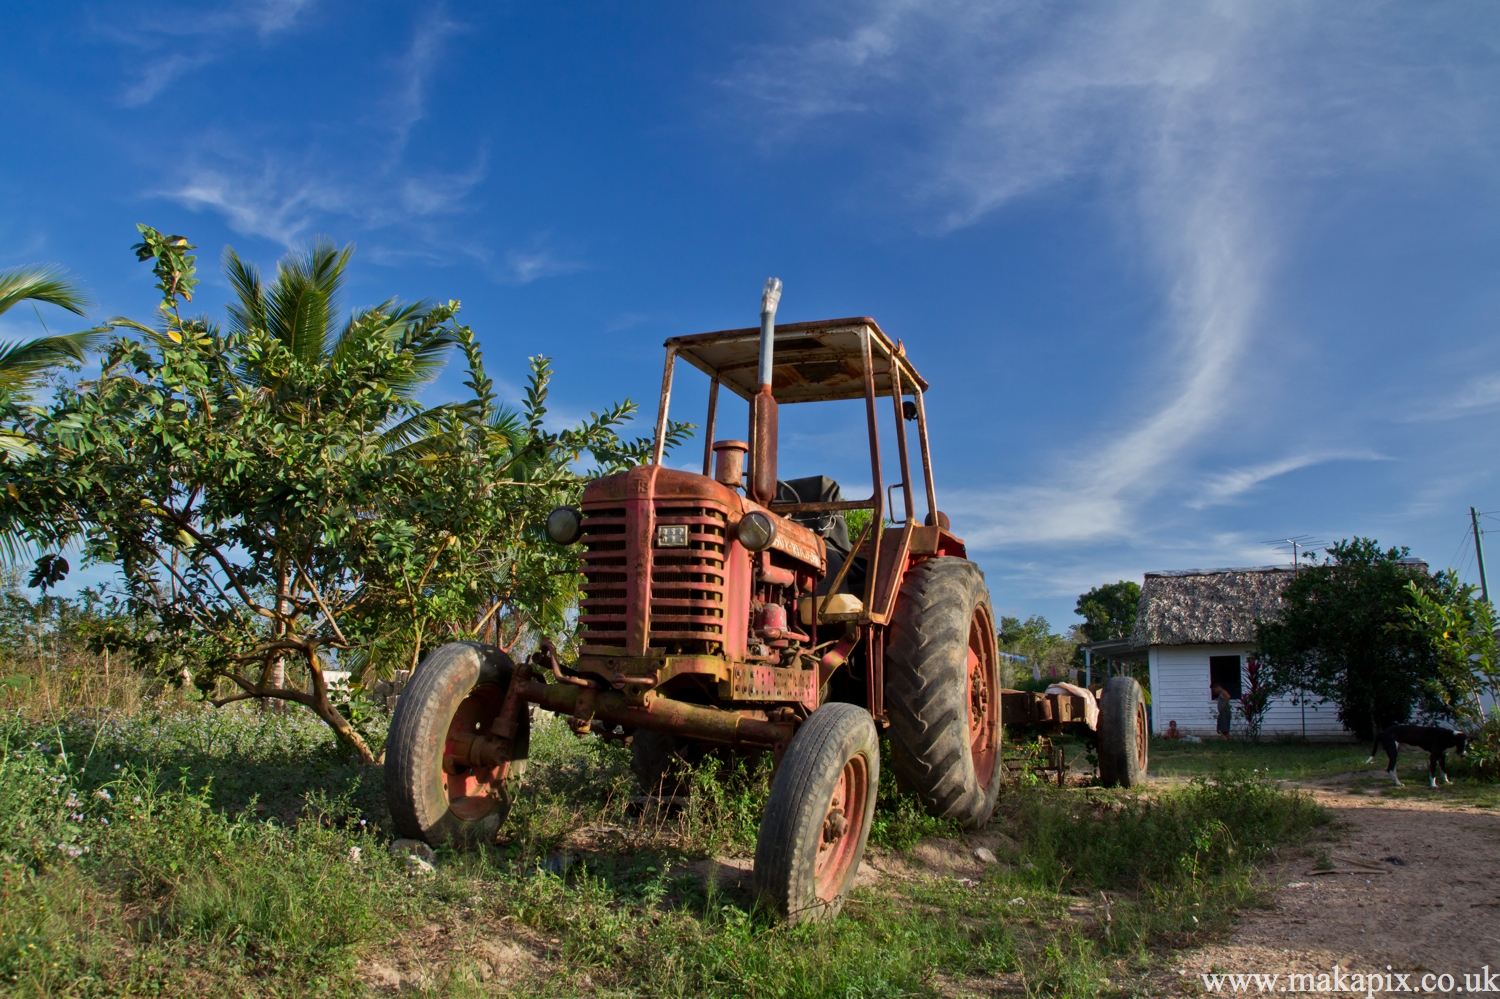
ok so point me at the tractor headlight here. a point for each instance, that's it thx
(564, 525)
(756, 531)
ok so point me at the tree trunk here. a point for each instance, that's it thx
(323, 705)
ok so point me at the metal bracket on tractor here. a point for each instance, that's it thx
(728, 610)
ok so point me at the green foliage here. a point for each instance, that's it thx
(1461, 631)
(1341, 636)
(1108, 610)
(274, 497)
(1035, 640)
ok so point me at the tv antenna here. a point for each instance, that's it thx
(1298, 547)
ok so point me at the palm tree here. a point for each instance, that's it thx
(24, 364)
(301, 310)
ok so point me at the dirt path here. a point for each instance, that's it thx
(1434, 907)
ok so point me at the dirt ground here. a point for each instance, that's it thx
(1416, 886)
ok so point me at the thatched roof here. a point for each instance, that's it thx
(1207, 606)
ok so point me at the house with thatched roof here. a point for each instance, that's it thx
(1196, 628)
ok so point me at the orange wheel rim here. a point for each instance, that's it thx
(983, 698)
(472, 792)
(843, 829)
(1142, 736)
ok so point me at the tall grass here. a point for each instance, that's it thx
(193, 851)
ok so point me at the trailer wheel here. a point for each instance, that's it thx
(661, 762)
(816, 823)
(942, 691)
(459, 687)
(1124, 740)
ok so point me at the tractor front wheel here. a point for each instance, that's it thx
(457, 690)
(942, 691)
(1123, 735)
(816, 823)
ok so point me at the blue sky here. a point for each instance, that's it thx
(1183, 277)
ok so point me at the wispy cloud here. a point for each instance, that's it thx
(1477, 395)
(1199, 123)
(156, 42)
(1225, 487)
(526, 266)
(409, 101)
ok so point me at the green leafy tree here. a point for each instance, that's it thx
(274, 497)
(1341, 637)
(1108, 610)
(1460, 628)
(1046, 652)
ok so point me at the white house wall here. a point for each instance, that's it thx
(1179, 691)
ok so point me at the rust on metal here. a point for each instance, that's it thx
(815, 361)
(910, 505)
(661, 714)
(708, 427)
(932, 507)
(659, 441)
(757, 682)
(877, 512)
(895, 548)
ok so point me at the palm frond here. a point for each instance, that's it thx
(250, 311)
(303, 299)
(41, 284)
(425, 433)
(22, 364)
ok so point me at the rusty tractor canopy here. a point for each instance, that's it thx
(814, 362)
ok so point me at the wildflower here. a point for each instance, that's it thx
(103, 792)
(117, 766)
(104, 820)
(354, 855)
(70, 849)
(137, 798)
(76, 816)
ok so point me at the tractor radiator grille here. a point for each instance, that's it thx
(679, 594)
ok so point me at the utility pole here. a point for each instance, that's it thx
(1484, 587)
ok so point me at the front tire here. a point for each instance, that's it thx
(1124, 739)
(942, 691)
(458, 687)
(817, 820)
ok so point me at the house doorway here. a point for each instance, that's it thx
(1224, 671)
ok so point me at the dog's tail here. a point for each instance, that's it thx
(1375, 745)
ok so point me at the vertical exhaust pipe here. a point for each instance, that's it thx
(763, 462)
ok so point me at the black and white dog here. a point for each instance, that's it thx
(1431, 739)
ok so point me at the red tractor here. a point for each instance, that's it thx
(731, 610)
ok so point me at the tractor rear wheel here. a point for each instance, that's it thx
(459, 688)
(817, 820)
(942, 691)
(661, 762)
(1124, 739)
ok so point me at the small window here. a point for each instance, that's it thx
(1224, 671)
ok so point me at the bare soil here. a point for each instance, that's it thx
(1415, 885)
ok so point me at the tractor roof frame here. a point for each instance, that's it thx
(826, 360)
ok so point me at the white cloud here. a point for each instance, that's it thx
(1226, 486)
(1198, 122)
(409, 102)
(174, 43)
(525, 267)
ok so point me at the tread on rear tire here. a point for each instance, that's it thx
(817, 819)
(942, 611)
(1123, 738)
(458, 676)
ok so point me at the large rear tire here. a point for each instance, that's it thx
(1124, 740)
(459, 687)
(817, 820)
(662, 763)
(942, 691)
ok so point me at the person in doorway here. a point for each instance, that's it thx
(1226, 713)
(1172, 730)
